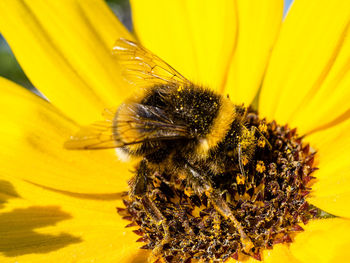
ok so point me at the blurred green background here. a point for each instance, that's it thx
(10, 69)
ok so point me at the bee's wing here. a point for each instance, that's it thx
(150, 124)
(143, 68)
(99, 135)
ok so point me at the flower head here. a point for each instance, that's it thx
(59, 205)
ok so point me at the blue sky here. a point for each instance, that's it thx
(286, 5)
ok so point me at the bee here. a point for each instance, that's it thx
(176, 126)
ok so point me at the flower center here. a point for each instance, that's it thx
(268, 203)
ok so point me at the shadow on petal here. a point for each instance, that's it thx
(18, 235)
(7, 191)
(88, 196)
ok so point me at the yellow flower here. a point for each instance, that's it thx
(59, 206)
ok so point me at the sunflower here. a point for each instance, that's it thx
(59, 205)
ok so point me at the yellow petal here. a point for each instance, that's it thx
(279, 253)
(310, 40)
(64, 47)
(331, 192)
(330, 102)
(323, 241)
(195, 37)
(103, 21)
(61, 225)
(258, 25)
(32, 135)
(37, 225)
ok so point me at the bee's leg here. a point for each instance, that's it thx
(202, 186)
(222, 207)
(240, 162)
(139, 183)
(157, 218)
(139, 188)
(254, 129)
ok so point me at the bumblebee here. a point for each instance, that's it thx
(174, 126)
